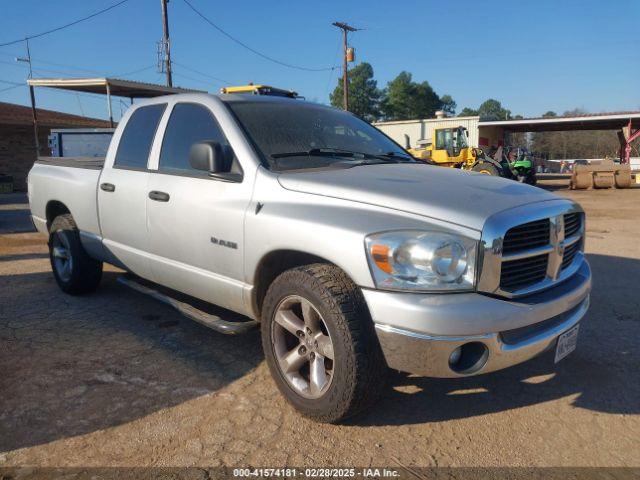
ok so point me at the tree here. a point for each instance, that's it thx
(492, 110)
(404, 99)
(364, 95)
(468, 112)
(489, 110)
(448, 105)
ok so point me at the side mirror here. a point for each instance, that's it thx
(208, 156)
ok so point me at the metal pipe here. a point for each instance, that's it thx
(109, 105)
(32, 95)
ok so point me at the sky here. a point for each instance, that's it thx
(533, 56)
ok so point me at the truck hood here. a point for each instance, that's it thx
(455, 196)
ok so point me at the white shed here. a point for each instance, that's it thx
(423, 129)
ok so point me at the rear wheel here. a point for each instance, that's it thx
(320, 344)
(74, 270)
(486, 169)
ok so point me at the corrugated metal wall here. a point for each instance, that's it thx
(423, 129)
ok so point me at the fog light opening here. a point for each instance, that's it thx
(469, 358)
(455, 356)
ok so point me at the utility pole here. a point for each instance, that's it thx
(345, 80)
(34, 112)
(165, 42)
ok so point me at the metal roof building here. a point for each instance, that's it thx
(484, 133)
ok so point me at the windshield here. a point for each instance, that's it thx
(461, 138)
(295, 135)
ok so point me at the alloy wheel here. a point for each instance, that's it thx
(303, 347)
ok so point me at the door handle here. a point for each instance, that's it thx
(108, 187)
(159, 196)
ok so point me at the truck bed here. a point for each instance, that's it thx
(70, 181)
(92, 163)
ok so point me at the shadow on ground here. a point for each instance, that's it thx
(75, 365)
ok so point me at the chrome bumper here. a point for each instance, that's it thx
(418, 332)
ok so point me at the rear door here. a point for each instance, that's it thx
(123, 189)
(195, 221)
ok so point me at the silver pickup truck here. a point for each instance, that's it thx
(352, 256)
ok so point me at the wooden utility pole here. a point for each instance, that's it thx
(345, 79)
(165, 42)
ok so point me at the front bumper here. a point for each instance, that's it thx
(418, 332)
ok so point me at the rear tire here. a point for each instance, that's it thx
(74, 270)
(486, 168)
(352, 368)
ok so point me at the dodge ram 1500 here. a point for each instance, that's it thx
(352, 256)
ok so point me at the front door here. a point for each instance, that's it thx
(196, 221)
(122, 192)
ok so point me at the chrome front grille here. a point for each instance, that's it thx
(526, 236)
(572, 223)
(516, 274)
(570, 254)
(543, 248)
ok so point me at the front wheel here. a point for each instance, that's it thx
(320, 344)
(74, 270)
(486, 168)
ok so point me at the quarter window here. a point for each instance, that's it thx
(189, 123)
(135, 143)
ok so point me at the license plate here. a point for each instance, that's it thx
(567, 343)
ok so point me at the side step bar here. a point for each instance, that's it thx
(208, 320)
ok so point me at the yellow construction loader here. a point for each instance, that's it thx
(451, 149)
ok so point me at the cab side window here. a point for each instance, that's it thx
(137, 137)
(440, 140)
(189, 123)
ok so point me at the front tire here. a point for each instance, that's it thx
(486, 168)
(320, 344)
(74, 270)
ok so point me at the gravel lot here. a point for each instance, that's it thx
(115, 378)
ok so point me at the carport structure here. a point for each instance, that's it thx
(627, 124)
(111, 87)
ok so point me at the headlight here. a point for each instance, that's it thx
(422, 261)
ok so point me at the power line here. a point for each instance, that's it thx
(244, 45)
(197, 80)
(43, 69)
(41, 34)
(12, 87)
(335, 58)
(71, 67)
(201, 73)
(133, 72)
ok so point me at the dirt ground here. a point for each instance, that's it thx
(117, 379)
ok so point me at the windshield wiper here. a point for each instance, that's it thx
(317, 152)
(398, 156)
(336, 152)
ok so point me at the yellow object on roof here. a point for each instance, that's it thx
(260, 90)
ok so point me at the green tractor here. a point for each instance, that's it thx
(516, 163)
